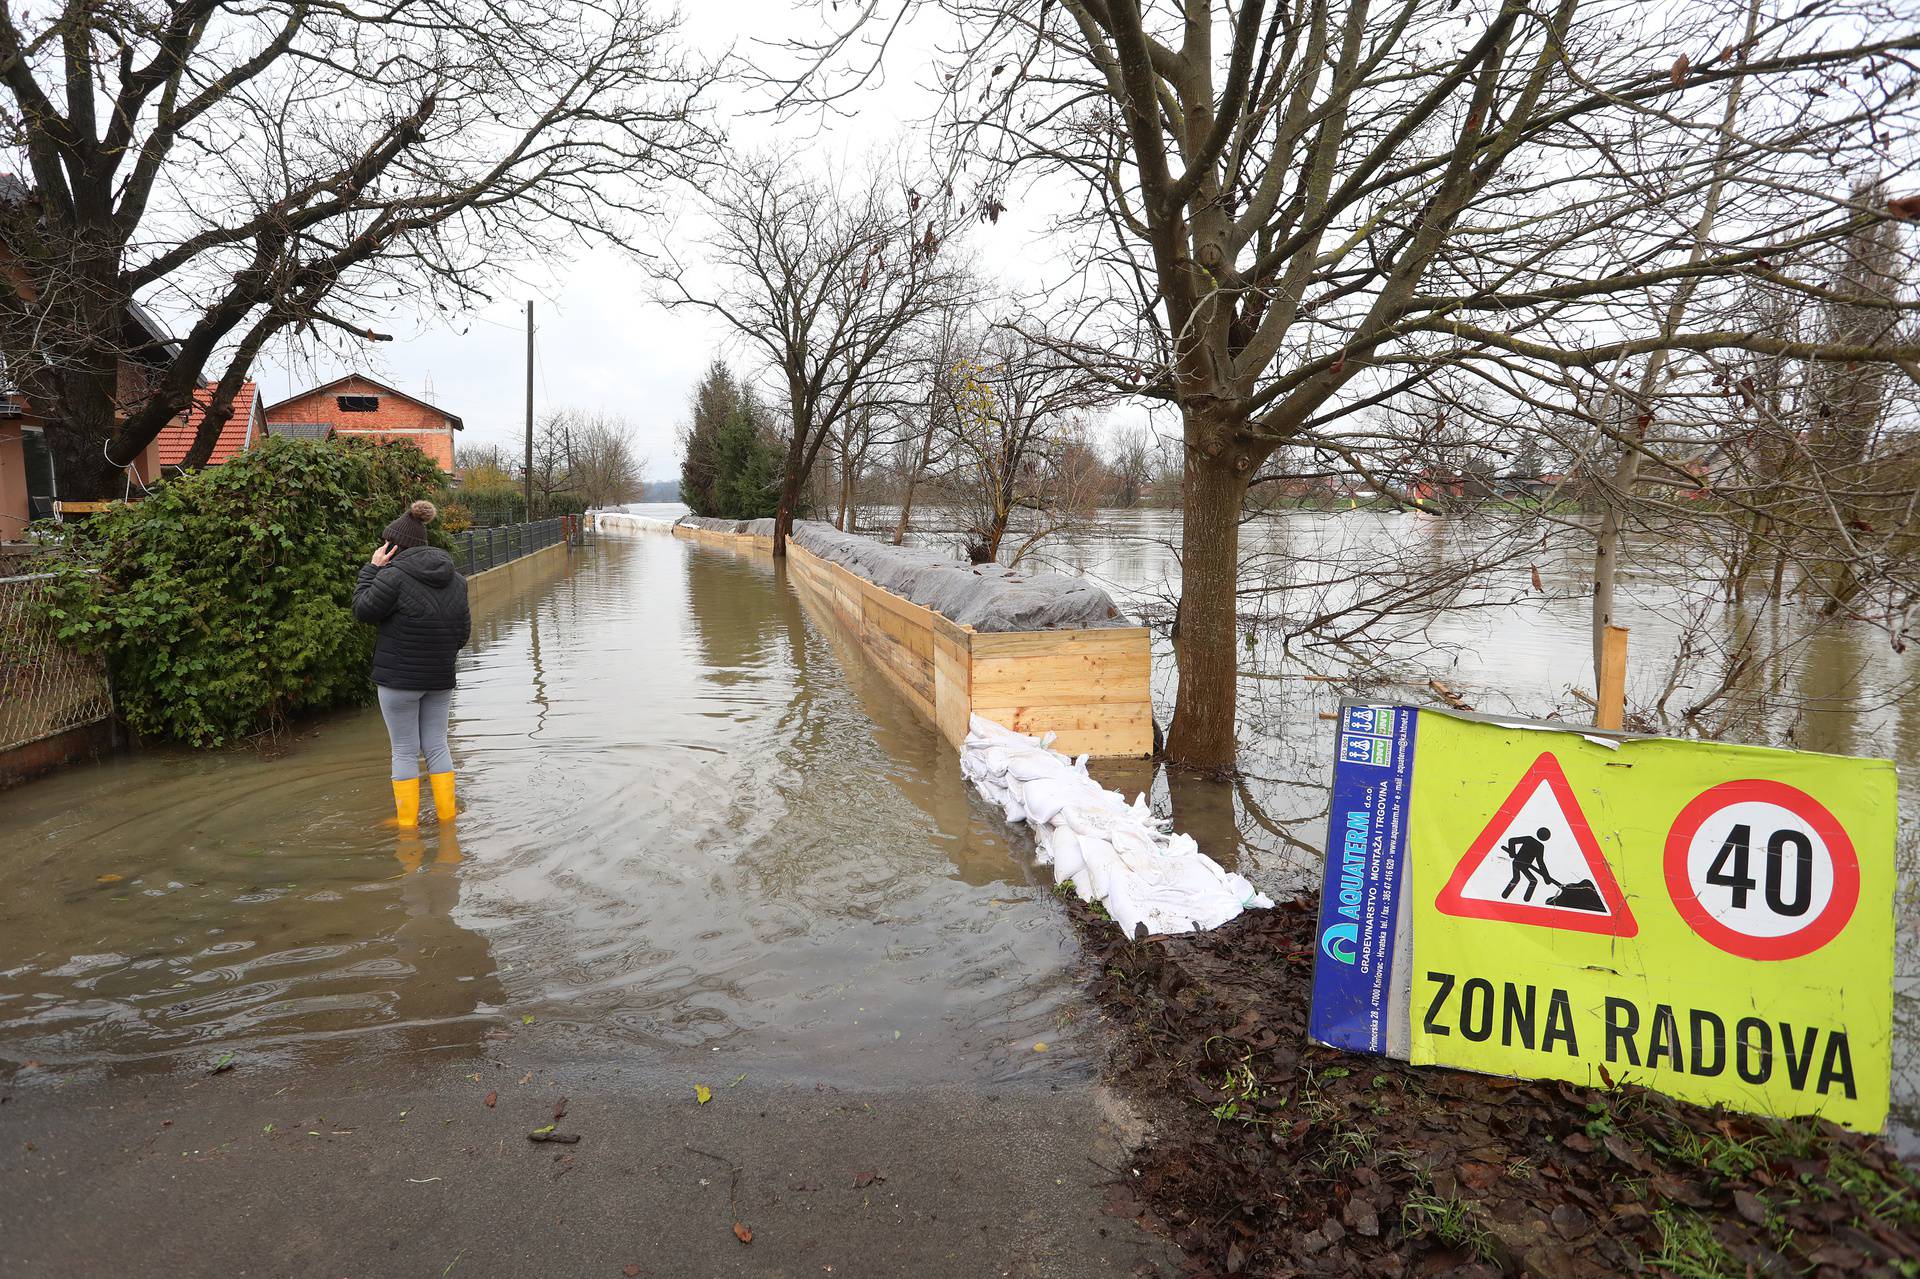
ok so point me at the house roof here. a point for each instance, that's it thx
(175, 440)
(302, 430)
(324, 387)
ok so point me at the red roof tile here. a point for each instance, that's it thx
(175, 440)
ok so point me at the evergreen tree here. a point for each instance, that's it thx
(746, 469)
(714, 400)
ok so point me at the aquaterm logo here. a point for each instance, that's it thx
(1340, 941)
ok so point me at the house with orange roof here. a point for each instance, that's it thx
(356, 405)
(243, 429)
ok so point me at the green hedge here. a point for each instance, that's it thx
(223, 599)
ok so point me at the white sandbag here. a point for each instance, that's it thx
(1108, 850)
(627, 522)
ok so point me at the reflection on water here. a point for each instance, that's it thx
(684, 825)
(729, 855)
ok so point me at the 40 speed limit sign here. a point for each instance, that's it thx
(1710, 920)
(1762, 870)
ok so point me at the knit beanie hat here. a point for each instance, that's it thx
(411, 528)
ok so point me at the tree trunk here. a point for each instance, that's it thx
(789, 492)
(1207, 635)
(913, 478)
(1606, 550)
(1606, 553)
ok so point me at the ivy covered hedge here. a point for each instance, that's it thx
(222, 599)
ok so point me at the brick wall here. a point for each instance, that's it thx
(396, 419)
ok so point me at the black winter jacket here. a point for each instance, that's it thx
(420, 606)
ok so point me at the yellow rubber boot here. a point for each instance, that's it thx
(406, 801)
(442, 795)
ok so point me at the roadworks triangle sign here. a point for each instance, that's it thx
(1537, 862)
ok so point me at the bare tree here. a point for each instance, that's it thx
(278, 168)
(1017, 446)
(586, 456)
(1311, 207)
(1132, 462)
(827, 280)
(928, 421)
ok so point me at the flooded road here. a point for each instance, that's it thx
(686, 828)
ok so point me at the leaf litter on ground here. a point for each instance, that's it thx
(1273, 1155)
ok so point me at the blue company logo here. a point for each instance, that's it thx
(1340, 941)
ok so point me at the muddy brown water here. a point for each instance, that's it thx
(687, 827)
(690, 826)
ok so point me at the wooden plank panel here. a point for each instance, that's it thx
(1054, 643)
(1030, 718)
(952, 699)
(1089, 687)
(1094, 730)
(1129, 671)
(911, 633)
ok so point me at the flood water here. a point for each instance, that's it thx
(686, 826)
(689, 824)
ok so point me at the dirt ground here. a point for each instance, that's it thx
(1276, 1157)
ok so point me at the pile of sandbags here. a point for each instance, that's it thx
(987, 597)
(626, 522)
(1111, 851)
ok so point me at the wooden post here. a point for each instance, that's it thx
(529, 463)
(1612, 709)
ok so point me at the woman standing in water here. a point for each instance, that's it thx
(412, 593)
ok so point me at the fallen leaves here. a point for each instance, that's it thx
(490, 1099)
(702, 1094)
(1554, 1174)
(862, 1180)
(107, 879)
(741, 1232)
(560, 1110)
(631, 1270)
(221, 1066)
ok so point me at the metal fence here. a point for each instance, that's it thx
(45, 687)
(478, 549)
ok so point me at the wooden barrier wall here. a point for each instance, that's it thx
(1091, 688)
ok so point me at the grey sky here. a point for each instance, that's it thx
(602, 342)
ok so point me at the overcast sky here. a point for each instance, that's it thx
(601, 341)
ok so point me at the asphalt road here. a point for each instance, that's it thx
(403, 1170)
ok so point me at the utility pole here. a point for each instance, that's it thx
(529, 470)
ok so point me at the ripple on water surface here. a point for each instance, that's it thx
(684, 826)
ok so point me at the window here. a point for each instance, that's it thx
(358, 403)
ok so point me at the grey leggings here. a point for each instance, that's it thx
(417, 725)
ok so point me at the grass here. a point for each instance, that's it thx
(1450, 1220)
(1688, 1248)
(1348, 1148)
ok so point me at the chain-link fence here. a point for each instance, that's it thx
(45, 687)
(478, 549)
